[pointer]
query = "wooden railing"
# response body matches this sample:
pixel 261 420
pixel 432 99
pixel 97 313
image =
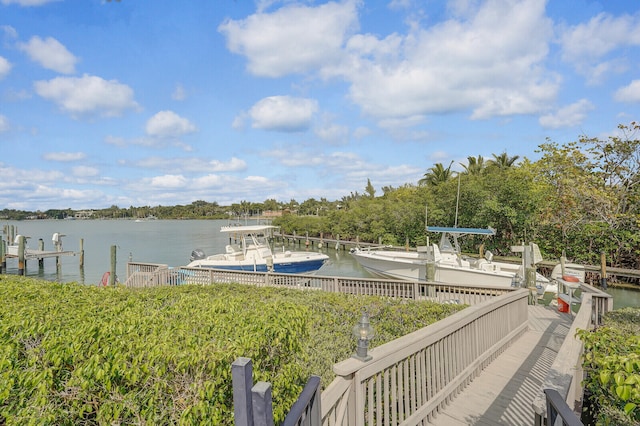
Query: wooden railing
pixel 411 378
pixel 566 374
pixel 149 274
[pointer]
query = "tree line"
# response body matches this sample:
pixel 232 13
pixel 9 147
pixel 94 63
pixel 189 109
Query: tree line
pixel 580 197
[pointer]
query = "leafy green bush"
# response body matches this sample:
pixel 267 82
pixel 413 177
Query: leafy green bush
pixel 74 354
pixel 612 364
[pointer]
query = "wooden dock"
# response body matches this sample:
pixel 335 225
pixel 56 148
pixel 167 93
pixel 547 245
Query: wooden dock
pixel 503 393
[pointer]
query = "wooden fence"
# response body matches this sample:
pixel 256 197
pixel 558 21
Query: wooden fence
pixel 566 374
pixel 151 275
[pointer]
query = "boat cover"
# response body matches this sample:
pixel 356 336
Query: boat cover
pixel 462 231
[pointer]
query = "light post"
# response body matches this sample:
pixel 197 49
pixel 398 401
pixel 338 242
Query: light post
pixel 363 332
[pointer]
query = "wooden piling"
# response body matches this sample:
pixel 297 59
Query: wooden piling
pixel 81 253
pixel 112 275
pixel 21 259
pixel 603 270
pixel 41 248
pixel 3 255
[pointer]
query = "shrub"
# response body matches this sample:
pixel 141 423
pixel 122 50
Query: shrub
pixel 74 354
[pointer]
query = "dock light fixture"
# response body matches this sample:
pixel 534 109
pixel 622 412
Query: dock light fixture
pixel 363 332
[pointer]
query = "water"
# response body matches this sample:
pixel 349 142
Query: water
pixel 161 241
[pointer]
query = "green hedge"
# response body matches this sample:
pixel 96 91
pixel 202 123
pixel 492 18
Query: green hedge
pixel 612 364
pixel 74 354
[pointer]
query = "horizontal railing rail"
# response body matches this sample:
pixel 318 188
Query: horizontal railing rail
pixel 145 275
pixel 566 374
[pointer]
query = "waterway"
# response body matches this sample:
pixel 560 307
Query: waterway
pixel 160 241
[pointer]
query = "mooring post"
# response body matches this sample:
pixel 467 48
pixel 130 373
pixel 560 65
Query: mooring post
pixel 3 255
pixel 112 275
pixel 41 248
pixel 81 253
pixel 603 270
pixel 21 260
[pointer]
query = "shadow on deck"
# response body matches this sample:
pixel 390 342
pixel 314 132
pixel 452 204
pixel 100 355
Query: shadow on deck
pixel 503 393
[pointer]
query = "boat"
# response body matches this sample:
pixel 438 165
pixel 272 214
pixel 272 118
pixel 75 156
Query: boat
pixel 447 263
pixel 252 252
pixel 565 271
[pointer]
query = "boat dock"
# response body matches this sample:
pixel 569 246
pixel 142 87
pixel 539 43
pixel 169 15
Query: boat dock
pixel 15 247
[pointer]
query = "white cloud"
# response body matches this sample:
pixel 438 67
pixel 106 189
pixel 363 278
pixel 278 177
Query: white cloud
pixel 629 93
pixel 64 156
pixel 293 39
pixel 490 63
pixel 51 54
pixel 4 124
pixel 569 116
pixel 192 164
pixel 5 67
pixel 27 2
pixel 166 182
pixel 335 134
pixel 488 59
pixel 85 171
pixel 586 45
pixel 168 124
pixel 9 31
pixel 179 94
pixel 87 95
pixel 283 113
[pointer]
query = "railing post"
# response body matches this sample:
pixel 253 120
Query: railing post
pixel 241 376
pixel 262 406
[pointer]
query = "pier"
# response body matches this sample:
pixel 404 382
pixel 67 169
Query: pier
pixel 16 247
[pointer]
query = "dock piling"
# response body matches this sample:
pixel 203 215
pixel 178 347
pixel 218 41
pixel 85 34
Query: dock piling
pixel 112 275
pixel 41 248
pixel 21 259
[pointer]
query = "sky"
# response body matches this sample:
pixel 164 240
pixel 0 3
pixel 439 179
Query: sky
pixel 147 103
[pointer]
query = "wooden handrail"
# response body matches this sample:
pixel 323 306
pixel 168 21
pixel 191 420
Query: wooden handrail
pixel 565 375
pixel 409 379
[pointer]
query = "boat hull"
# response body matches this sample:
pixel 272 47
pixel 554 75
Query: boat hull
pixel 410 266
pixel 279 267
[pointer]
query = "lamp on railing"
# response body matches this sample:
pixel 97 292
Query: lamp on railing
pixel 363 332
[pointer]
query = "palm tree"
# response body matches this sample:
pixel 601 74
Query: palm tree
pixel 475 165
pixel 503 161
pixel 436 175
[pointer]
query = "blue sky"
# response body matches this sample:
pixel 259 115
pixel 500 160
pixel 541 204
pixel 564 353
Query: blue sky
pixel 138 103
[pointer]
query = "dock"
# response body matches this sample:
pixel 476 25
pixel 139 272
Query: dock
pixel 503 393
pixel 15 247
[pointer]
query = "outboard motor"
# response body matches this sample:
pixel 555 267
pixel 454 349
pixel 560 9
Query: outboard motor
pixel 197 254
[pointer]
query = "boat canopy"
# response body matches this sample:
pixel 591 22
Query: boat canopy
pixel 461 231
pixel 247 229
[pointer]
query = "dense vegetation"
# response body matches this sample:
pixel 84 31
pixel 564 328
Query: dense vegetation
pixel 612 364
pixel 73 354
pixel 582 197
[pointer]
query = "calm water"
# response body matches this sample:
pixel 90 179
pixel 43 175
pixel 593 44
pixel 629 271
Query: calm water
pixel 160 241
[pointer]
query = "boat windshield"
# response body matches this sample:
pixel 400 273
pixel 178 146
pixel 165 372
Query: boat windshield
pixel 448 244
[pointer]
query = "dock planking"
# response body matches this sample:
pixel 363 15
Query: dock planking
pixel 503 393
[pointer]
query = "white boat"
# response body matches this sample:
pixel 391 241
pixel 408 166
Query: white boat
pixel 253 253
pixel 562 271
pixel 448 264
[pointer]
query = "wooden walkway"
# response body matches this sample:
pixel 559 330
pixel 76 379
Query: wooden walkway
pixel 503 393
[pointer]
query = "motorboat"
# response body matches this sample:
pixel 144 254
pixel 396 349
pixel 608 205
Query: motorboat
pixel 564 271
pixel 251 252
pixel 445 263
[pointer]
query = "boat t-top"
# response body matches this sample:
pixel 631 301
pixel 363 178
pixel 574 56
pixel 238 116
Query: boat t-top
pixel 251 252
